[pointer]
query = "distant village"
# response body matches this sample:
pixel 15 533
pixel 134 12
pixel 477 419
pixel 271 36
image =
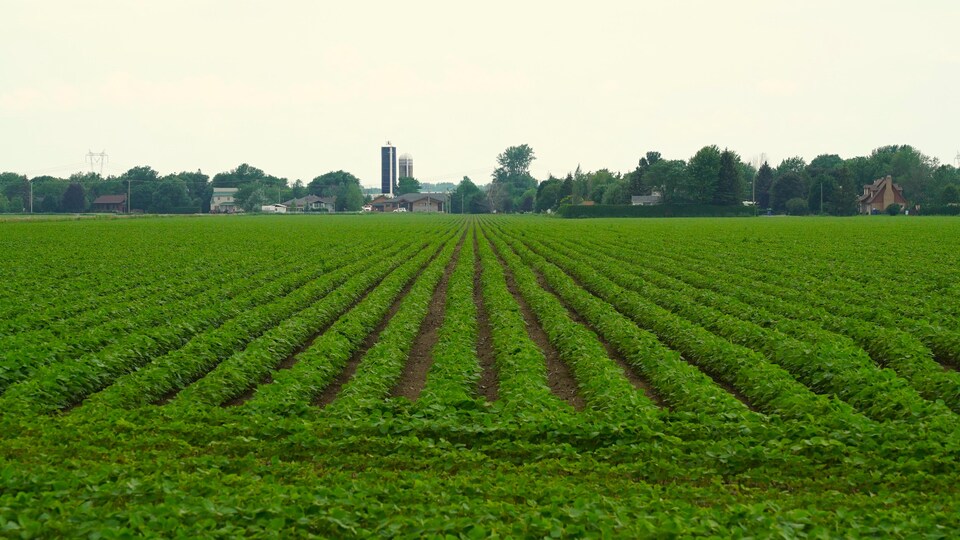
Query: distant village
pixel 891 180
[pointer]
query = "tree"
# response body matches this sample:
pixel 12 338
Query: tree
pixel 16 188
pixel 299 190
pixel 703 172
pixel 171 194
pixel 616 194
pixel 199 189
pixel 669 177
pixel 729 187
pixel 797 207
pixel 762 184
pixel 73 199
pixel 795 165
pixel 251 196
pixel 243 174
pixel 342 185
pixel 950 194
pixel 467 198
pixel 635 180
pixel 50 205
pixel 548 194
pixel 511 178
pixel 4 203
pixel 514 162
pixel 787 186
pixel 408 184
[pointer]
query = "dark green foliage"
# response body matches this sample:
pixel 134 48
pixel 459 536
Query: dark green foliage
pixel 729 183
pixel 340 184
pixel 702 175
pixel 73 199
pixel 893 209
pixel 468 199
pixel 764 182
pixel 787 186
pixel 511 179
pixel 797 207
pixel 49 205
pixel 407 184
pixel 658 210
pixel 950 194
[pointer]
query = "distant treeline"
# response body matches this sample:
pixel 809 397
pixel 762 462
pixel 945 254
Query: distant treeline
pixel 185 192
pixel 711 177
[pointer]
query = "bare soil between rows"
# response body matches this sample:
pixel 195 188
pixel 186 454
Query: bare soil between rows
pixel 488 386
pixel 560 377
pixel 420 359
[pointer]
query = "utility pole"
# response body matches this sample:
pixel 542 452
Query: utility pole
pixel 31 195
pixel 128 196
pixel 821 197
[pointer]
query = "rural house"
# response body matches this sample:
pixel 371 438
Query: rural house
pixel 423 202
pixel 110 203
pixel 223 201
pixel 879 195
pixel 312 203
pixel 383 203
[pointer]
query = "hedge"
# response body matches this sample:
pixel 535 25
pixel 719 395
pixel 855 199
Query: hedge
pixel 658 210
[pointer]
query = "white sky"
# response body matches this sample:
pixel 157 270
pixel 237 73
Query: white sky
pixel 299 88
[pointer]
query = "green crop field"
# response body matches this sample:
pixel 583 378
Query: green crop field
pixel 401 375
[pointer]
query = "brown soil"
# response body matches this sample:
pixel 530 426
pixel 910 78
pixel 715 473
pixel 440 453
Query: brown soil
pixel 332 390
pixel 291 359
pixel 560 377
pixel 420 359
pixel 488 386
pixel 947 365
pixel 726 387
pixel 638 381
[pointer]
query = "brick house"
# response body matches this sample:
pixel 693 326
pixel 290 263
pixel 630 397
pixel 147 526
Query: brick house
pixel 110 203
pixel 879 195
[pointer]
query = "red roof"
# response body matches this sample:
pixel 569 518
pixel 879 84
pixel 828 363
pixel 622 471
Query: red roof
pixel 111 199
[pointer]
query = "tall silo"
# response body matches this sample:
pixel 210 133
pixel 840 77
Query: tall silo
pixel 406 166
pixel 388 168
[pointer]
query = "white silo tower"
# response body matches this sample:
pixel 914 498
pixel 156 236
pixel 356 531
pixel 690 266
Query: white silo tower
pixel 406 166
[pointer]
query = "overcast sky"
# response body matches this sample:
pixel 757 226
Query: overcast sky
pixel 299 88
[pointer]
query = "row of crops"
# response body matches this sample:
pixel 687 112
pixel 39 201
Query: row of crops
pixel 511 376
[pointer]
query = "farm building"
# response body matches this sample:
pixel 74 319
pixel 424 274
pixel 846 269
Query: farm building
pixel 223 201
pixel 646 200
pixel 411 202
pixel 879 195
pixel 311 203
pixel 110 203
pixel 424 202
pixel 274 209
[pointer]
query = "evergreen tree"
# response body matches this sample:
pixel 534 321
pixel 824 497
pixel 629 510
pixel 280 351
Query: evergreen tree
pixel 728 180
pixel 73 199
pixel 762 185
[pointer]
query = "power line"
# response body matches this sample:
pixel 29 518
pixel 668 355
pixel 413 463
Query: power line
pixel 97 160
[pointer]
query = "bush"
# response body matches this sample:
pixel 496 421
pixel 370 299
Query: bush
pixel 797 207
pixel 893 209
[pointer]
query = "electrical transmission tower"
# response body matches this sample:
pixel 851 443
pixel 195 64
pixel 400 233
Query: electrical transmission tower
pixel 96 161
